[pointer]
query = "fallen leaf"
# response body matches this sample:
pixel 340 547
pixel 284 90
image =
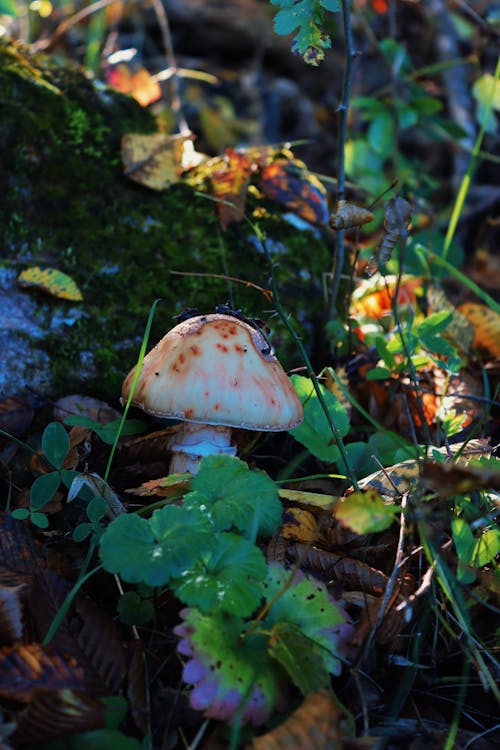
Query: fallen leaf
pixel 153 160
pixel 52 281
pixel 486 324
pixel 289 182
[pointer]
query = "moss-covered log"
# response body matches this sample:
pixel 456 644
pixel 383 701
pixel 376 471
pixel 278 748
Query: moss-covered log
pixel 66 204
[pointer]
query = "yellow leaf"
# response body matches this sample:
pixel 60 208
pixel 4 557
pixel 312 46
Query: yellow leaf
pixel 486 324
pixel 52 281
pixel 153 160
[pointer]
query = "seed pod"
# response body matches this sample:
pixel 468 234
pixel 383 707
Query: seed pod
pixel 397 220
pixel 349 215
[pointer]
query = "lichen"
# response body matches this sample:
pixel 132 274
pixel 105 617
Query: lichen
pixel 67 204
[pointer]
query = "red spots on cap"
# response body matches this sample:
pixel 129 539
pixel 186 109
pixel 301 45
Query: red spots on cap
pixel 175 367
pixel 195 350
pixel 188 413
pixel 206 394
pixel 222 348
pixel 182 358
pixel 233 331
pixel 216 406
pixel 240 349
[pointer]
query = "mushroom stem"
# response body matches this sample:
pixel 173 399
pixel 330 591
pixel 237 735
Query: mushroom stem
pixel 194 441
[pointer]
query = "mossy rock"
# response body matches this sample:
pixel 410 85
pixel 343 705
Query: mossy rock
pixel 66 204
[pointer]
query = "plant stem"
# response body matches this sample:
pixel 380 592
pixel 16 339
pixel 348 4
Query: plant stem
pixel 466 180
pixel 309 368
pixel 338 261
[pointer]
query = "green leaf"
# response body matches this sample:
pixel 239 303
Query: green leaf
pixel 9 8
pixel 116 710
pixel 227 578
pixel 299 656
pixel 96 739
pixel 332 5
pixel 43 489
pixel 40 520
pixel 230 669
pixel 407 116
pixel 155 550
pixel 133 610
pixel 426 105
pixel 52 281
pixel 365 512
pixel 435 323
pixel 107 432
pixel 307 605
pixel 486 548
pixel 82 531
pixel 381 134
pixel 96 509
pixel 21 514
pixel 378 373
pixel 55 444
pixel 486 92
pixel 315 432
pixel 463 539
pixel 235 496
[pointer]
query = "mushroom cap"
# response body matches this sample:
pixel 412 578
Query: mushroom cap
pixel 219 370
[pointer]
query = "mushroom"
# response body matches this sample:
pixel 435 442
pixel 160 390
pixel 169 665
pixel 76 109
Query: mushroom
pixel 215 372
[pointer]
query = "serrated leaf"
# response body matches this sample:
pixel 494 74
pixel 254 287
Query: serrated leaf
pixel 365 512
pixel 226 579
pixel 299 656
pixel 315 432
pixel 332 5
pixel 43 489
pixel 231 671
pixel 236 496
pixel 155 550
pixel 287 20
pixel 55 444
pixel 307 604
pixel 52 281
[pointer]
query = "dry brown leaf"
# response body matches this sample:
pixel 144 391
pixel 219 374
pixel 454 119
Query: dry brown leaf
pixel 54 713
pixel 347 571
pixel 348 215
pixel 486 324
pixel 300 526
pixel 153 160
pixel 318 724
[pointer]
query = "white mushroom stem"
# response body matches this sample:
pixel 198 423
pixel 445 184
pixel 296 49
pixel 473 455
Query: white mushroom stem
pixel 194 441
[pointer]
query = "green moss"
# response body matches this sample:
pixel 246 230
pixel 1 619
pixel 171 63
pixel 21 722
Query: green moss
pixel 67 204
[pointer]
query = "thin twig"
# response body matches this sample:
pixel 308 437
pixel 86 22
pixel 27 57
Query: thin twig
pixel 175 99
pixel 338 261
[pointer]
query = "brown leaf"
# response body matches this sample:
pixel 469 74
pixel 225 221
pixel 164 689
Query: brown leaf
pixel 153 160
pixel 16 415
pixel 11 613
pixel 318 724
pixel 84 406
pixel 300 525
pixel 229 184
pixel 56 713
pixel 448 479
pixel 27 668
pixel 486 324
pixel 347 571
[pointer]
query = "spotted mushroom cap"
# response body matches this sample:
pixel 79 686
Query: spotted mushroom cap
pixel 219 370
